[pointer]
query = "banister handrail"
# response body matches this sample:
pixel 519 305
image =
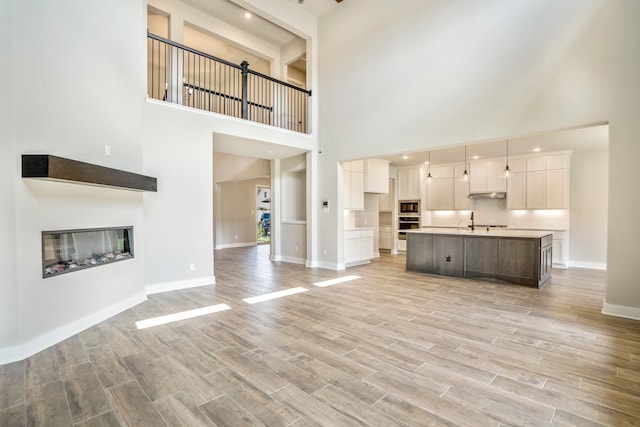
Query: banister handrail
pixel 230 64
pixel 182 75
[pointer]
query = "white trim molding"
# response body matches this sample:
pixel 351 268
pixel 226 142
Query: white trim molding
pixel 621 311
pixel 41 342
pixel 179 284
pixel 236 245
pixel 589 265
pixel 293 260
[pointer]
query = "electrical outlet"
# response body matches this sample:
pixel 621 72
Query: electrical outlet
pixel 107 150
pixel 235 237
pixel 296 249
pixel 192 267
pixel 324 252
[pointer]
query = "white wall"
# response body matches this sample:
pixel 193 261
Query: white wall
pixel 76 90
pixel 589 197
pixel 8 173
pixel 293 237
pixel 178 149
pixel 473 71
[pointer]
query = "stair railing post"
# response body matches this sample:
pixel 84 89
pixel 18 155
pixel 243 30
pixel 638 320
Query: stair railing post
pixel 245 101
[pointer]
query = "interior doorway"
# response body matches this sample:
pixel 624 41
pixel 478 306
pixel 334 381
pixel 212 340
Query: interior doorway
pixel 263 214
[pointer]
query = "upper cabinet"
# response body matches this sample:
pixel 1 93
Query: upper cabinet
pixel 353 184
pixel 386 200
pixel 517 184
pixel 447 190
pixel 409 183
pixel 548 182
pixel 487 176
pixel 376 176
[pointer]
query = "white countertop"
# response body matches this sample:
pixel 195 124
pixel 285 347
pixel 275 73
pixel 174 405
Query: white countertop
pixel 358 228
pixel 500 232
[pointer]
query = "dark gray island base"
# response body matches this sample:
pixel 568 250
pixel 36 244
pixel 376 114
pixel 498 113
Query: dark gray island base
pixel 518 257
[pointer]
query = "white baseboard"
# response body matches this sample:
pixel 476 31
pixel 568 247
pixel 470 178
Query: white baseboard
pixel 236 245
pixel 39 343
pixel 590 265
pixel 179 284
pixel 621 311
pixel 311 264
pixel 376 254
pixel 294 260
pixel 330 265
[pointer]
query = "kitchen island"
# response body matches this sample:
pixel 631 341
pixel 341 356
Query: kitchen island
pixel 522 257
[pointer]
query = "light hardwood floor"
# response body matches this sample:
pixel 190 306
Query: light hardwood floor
pixel 390 348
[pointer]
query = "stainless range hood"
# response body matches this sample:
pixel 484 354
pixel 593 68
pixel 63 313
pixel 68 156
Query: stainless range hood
pixel 494 195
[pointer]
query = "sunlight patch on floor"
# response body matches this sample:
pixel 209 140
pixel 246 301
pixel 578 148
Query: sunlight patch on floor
pixel 161 320
pixel 336 281
pixel 274 295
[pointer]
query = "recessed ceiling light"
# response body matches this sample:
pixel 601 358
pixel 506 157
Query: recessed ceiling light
pixel 535 150
pixel 405 157
pixel 426 163
pixel 247 15
pixel 475 157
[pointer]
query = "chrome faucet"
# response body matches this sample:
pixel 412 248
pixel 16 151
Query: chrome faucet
pixel 472 226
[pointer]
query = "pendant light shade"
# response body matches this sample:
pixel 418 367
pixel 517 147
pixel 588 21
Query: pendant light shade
pixel 465 174
pixel 429 177
pixel 507 170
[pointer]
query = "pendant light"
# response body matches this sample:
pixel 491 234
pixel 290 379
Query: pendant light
pixel 465 174
pixel 429 171
pixel 507 169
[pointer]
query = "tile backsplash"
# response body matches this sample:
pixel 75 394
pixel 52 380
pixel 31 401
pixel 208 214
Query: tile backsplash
pixel 494 212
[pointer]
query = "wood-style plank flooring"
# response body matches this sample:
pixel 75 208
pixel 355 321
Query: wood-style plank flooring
pixel 390 348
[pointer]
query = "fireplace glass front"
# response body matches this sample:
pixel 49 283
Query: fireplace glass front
pixel 72 250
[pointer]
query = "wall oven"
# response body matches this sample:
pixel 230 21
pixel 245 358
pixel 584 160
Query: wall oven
pixel 407 223
pixel 411 207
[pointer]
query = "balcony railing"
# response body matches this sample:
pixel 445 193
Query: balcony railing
pixel 185 76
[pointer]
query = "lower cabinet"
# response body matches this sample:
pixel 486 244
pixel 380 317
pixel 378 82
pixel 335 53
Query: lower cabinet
pixel 522 261
pixel 443 255
pixel 385 238
pixel 358 246
pixel 448 259
pixel 560 248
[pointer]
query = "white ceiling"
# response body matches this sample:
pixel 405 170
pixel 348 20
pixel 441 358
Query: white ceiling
pixel 588 138
pixel 230 12
pixel 246 147
pixel 577 140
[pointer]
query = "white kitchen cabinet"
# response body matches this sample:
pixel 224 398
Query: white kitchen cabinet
pixel 358 246
pixel 536 190
pixel 536 164
pixel 353 184
pixel 440 194
pixel 409 183
pixel 385 237
pixel 517 190
pixel 560 249
pixel 461 199
pixel 487 176
pixel 386 199
pixel 556 161
pixel 547 188
pixel 376 176
pixel 556 189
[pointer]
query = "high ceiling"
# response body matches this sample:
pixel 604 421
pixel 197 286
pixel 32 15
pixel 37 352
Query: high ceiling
pixel 579 139
pixel 233 14
pixel 583 139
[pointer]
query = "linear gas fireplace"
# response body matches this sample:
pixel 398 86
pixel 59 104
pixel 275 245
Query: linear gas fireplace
pixel 65 251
